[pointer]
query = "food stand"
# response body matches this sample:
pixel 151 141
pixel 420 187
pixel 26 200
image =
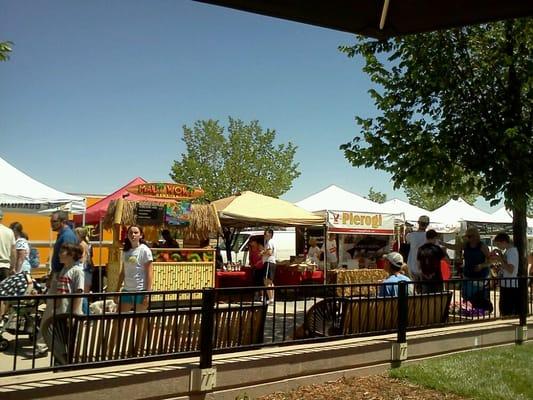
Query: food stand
pixel 248 209
pixel 167 205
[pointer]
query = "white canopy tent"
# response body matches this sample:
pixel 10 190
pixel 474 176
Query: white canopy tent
pixel 22 194
pixel 347 212
pixel 410 212
pixel 505 216
pixel 456 213
pixel 351 215
pixel 335 198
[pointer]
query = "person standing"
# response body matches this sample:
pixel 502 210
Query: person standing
pixel 415 240
pixel 476 270
pixel 22 248
pixel 269 263
pixel 69 280
pixel 7 249
pixel 87 258
pixel 331 251
pixel 256 261
pixel 136 271
pixel 429 258
pixel 313 253
pixel 7 256
pixel 508 259
pixel 59 224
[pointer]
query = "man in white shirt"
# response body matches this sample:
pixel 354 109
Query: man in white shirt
pixel 269 263
pixel 7 249
pixel 7 255
pixel 509 292
pixel 415 240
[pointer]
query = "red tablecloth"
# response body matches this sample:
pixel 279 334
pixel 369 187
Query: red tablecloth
pixel 292 276
pixel 234 278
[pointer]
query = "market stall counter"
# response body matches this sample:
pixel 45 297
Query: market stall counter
pixel 241 278
pixel 298 274
pixel 183 268
pixel 167 208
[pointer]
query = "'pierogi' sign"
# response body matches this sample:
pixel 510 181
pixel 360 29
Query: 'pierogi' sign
pixel 358 222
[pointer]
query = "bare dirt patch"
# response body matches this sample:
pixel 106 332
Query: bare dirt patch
pixel 375 387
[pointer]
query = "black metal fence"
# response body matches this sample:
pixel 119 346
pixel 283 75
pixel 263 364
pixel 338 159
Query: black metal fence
pixel 122 327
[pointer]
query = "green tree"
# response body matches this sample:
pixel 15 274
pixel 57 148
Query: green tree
pixel 5 49
pixel 425 197
pixel 376 196
pixel 246 158
pixel 455 113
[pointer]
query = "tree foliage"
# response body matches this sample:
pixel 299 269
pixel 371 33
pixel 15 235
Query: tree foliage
pixel 376 196
pixel 5 49
pixel 243 158
pixel 425 197
pixel 455 113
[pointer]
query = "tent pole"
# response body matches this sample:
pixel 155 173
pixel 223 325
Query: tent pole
pixel 100 234
pixel 325 246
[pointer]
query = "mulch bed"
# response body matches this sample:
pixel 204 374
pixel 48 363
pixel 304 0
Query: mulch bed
pixel 376 387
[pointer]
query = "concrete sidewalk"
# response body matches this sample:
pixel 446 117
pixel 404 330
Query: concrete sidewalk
pixel 254 372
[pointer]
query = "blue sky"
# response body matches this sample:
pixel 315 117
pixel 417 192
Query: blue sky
pixel 96 92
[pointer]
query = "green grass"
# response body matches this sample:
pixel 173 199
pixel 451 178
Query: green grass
pixel 504 373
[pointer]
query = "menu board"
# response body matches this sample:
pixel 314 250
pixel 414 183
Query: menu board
pixel 150 214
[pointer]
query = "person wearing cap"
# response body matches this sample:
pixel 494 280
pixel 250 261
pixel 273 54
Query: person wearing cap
pixel 415 240
pixel 7 249
pixel 389 287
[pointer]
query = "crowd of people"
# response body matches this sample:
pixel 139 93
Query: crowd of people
pixel 71 267
pixel 426 266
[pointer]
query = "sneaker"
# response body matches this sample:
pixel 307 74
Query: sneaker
pixel 41 351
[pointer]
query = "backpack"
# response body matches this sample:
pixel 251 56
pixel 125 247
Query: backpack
pixel 34 258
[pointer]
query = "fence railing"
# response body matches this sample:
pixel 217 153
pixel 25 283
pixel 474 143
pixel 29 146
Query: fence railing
pixel 48 332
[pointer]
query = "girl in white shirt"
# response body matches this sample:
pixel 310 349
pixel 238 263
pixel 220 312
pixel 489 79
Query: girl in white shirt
pixel 136 272
pixel 22 247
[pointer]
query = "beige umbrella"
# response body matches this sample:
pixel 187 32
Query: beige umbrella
pixel 249 208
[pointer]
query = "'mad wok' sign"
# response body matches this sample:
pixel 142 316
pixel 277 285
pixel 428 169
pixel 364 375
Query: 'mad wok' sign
pixel 175 191
pixel 358 222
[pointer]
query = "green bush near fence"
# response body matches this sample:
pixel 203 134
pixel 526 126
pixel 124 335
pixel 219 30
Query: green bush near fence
pixel 501 373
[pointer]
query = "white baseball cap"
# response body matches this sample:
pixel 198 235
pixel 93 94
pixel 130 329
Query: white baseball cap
pixel 395 259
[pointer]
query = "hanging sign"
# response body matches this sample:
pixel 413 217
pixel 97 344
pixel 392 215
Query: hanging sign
pixel 358 222
pixel 160 190
pixel 178 214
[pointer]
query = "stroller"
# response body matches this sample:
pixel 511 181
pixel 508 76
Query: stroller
pixel 23 317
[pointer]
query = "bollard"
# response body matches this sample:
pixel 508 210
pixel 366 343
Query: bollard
pixel 207 328
pixel 399 349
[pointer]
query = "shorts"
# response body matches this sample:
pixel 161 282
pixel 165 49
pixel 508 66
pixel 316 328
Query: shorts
pixel 4 273
pixel 269 271
pixel 258 275
pixel 133 298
